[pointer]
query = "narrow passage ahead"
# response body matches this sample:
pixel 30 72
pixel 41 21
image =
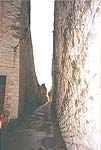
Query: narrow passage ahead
pixel 37 132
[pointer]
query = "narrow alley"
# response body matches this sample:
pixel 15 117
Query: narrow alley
pixel 36 132
pixel 75 74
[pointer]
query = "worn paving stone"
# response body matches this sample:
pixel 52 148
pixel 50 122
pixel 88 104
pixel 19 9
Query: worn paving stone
pixel 36 132
pixel 48 142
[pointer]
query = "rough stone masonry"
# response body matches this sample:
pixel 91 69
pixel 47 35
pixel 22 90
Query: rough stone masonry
pixel 76 72
pixel 16 58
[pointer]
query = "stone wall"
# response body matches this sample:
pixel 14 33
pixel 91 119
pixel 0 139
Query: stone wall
pixel 76 72
pixel 16 57
pixel 29 87
pixel 9 53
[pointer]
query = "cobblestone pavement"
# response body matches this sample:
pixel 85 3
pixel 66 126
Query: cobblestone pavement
pixel 36 132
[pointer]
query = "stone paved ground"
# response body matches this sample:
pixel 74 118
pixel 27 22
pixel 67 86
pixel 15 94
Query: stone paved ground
pixel 36 132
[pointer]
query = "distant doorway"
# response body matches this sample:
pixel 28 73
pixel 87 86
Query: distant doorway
pixel 2 91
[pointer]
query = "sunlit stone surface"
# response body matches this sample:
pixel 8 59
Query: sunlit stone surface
pixel 76 72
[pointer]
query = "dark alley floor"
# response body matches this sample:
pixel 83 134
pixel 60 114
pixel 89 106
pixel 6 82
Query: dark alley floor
pixel 36 132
